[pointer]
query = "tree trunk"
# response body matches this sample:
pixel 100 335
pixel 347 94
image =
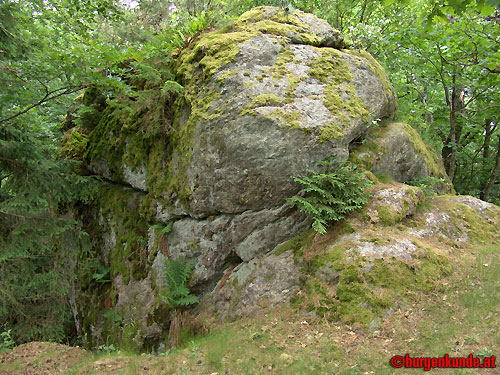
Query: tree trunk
pixel 486 154
pixel 486 193
pixel 176 323
pixel 449 152
pixel 363 10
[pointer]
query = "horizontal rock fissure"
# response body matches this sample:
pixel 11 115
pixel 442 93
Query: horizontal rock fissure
pixel 120 184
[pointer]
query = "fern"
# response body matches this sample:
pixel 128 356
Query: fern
pixel 331 195
pixel 177 274
pixel 164 229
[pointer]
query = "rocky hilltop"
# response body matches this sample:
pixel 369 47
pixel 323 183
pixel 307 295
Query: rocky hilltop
pixel 206 176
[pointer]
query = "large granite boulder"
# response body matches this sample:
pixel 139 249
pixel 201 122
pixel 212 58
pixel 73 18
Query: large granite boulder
pixel 205 173
pixel 263 100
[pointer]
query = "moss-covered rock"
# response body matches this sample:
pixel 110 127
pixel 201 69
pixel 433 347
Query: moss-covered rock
pixel 367 265
pixel 74 143
pixel 284 94
pixel 274 89
pixel 398 151
pixel 392 203
pixel 263 100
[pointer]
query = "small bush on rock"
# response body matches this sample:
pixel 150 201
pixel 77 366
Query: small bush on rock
pixel 330 195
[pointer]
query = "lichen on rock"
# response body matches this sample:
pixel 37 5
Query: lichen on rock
pixel 397 150
pixel 204 174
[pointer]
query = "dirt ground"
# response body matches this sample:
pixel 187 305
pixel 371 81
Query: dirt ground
pixel 37 358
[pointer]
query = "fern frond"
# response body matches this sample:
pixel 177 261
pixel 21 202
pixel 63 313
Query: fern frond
pixel 177 274
pixel 330 195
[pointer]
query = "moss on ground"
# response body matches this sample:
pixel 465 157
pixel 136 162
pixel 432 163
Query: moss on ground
pixel 387 215
pixel 365 287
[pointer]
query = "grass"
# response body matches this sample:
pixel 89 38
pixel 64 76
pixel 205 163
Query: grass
pixel 459 317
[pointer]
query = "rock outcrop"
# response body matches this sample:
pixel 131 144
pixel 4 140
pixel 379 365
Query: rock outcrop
pixel 365 264
pixel 206 175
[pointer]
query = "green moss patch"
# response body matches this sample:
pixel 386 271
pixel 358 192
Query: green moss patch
pixel 278 22
pixel 376 68
pixel 288 119
pixel 297 244
pixel 127 131
pixel 74 143
pixel 211 51
pixel 387 215
pixel 366 154
pixel 373 148
pixel 263 100
pixel 340 96
pixel 279 69
pixel 432 161
pixel 341 285
pixel 480 229
pixel 129 256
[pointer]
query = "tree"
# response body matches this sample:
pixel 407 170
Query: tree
pixel 45 57
pixel 50 51
pixel 445 74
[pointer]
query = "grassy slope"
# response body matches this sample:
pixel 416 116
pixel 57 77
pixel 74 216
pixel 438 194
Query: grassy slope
pixel 461 316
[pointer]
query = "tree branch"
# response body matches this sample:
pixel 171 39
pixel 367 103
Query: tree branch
pixel 48 96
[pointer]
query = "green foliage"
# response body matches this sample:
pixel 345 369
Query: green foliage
pixel 164 229
pixel 106 348
pixel 484 352
pixel 6 341
pixel 113 315
pixel 177 274
pixel 429 185
pixel 331 195
pixel 39 245
pixel 446 75
pixel 88 116
pixel 51 50
pixel 101 272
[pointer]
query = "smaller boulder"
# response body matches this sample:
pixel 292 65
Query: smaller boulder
pixel 397 150
pixel 392 204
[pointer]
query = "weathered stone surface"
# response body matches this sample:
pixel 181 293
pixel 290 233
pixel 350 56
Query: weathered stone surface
pixel 401 248
pixel 460 219
pixel 292 112
pixel 222 240
pixel 396 150
pixel 270 280
pixel 390 205
pixel 135 302
pixel 352 275
pixel 263 101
